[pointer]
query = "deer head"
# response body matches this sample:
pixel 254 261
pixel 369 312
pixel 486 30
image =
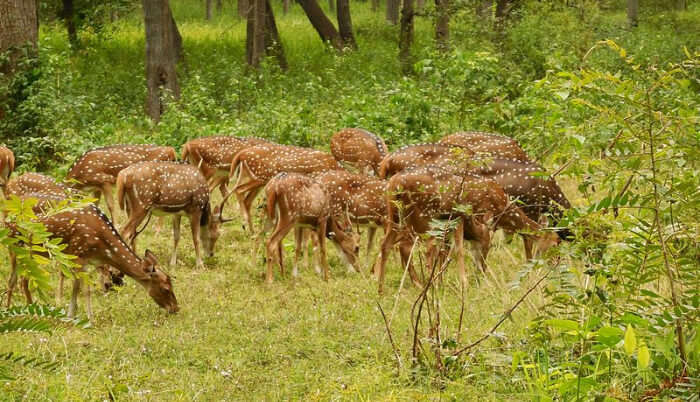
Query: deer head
pixel 158 284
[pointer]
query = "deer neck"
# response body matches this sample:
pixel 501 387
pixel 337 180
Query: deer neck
pixel 120 256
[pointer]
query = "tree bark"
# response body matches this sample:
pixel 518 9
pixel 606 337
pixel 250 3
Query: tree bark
pixel 273 44
pixel 68 15
pixel 285 7
pixel 18 28
pixel 633 13
pixel 392 11
pixel 255 33
pixel 442 24
pixel 243 6
pixel 321 23
pixel 345 24
pixel 406 38
pixel 162 53
pixel 208 6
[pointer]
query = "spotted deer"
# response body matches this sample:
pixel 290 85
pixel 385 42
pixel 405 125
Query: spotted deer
pixel 255 166
pixel 31 182
pixel 358 148
pixel 90 236
pixel 420 155
pixel 362 199
pixel 487 144
pixel 417 196
pixel 296 201
pixel 213 155
pixel 96 170
pixel 7 166
pixel 169 188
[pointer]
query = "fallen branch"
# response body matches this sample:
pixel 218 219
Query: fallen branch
pixel 391 338
pixel 506 314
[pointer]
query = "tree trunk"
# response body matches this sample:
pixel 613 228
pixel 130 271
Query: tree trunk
pixel 633 13
pixel 331 6
pixel 392 11
pixel 345 24
pixel 273 44
pixel 18 28
pixel 219 6
pixel 442 24
pixel 375 5
pixel 502 10
pixel 321 23
pixel 208 6
pixel 406 37
pixel 255 33
pixel 243 6
pixel 162 40
pixel 68 15
pixel 285 7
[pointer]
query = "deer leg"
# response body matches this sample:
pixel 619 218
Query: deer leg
pixel 74 298
pixel 298 245
pixel 196 239
pixel 59 288
pixel 248 205
pixel 136 216
pixel 12 282
pixel 24 282
pixel 176 238
pixel 274 246
pixel 480 247
pixel 109 199
pixel 390 235
pixel 529 244
pixel 371 232
pixel 459 246
pixel 243 192
pixel 405 248
pixel 321 235
pixel 88 299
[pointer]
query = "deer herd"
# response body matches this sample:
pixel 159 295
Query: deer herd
pixel 480 182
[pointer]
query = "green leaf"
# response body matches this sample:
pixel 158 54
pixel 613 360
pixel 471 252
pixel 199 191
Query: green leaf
pixel 609 336
pixel 643 357
pixel 564 325
pixel 630 341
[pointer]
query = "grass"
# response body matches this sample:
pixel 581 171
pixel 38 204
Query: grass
pixel 237 338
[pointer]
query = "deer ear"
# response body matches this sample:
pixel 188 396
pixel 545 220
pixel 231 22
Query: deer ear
pixel 150 258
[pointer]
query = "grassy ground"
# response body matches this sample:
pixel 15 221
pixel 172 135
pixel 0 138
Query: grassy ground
pixel 237 338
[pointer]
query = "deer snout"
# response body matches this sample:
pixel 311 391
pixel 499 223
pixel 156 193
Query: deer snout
pixel 172 309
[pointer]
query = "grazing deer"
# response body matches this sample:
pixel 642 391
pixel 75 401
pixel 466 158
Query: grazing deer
pixel 36 183
pixel 487 144
pixel 358 148
pixel 90 236
pixel 258 164
pixel 213 155
pixel 294 201
pixel 417 196
pixel 7 166
pixel 362 198
pixel 169 188
pixel 420 155
pixel 96 170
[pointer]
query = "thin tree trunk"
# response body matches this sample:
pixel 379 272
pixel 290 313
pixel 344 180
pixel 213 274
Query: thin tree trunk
pixel 18 28
pixel 406 38
pixel 177 39
pixel 345 24
pixel 219 6
pixel 321 23
pixel 208 6
pixel 162 39
pixel 285 7
pixel 392 11
pixel 502 10
pixel 375 5
pixel 273 43
pixel 442 24
pixel 68 16
pixel 243 6
pixel 633 13
pixel 255 38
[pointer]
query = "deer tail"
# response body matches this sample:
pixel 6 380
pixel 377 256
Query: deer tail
pixel 121 196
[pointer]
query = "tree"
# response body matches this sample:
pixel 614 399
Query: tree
pixel 163 50
pixel 392 11
pixel 243 6
pixel 68 15
pixel 255 33
pixel 406 37
pixel 345 24
pixel 285 6
pixel 502 10
pixel 442 24
pixel 19 29
pixel 633 13
pixel 321 23
pixel 208 7
pixel 273 43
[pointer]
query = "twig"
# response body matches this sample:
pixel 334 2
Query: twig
pixel 506 314
pixel 391 338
